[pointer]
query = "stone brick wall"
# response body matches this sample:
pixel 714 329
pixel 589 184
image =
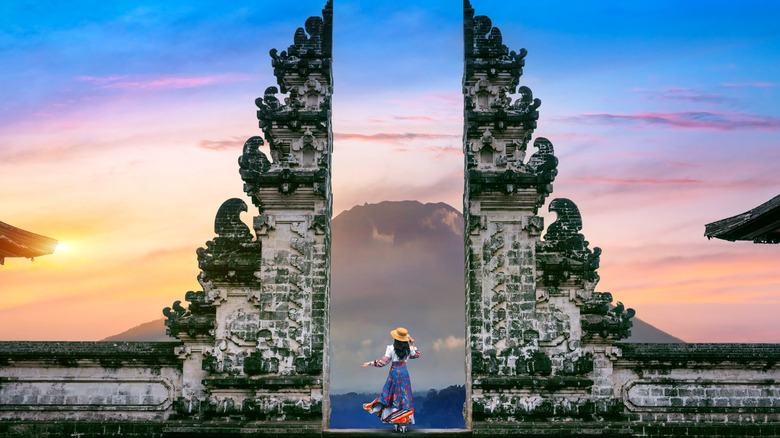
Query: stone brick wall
pixel 699 383
pixel 106 381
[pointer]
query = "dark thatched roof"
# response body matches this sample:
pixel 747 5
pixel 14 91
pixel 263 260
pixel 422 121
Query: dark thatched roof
pixel 759 225
pixel 16 242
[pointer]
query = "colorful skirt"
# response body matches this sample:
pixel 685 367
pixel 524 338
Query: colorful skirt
pixel 395 405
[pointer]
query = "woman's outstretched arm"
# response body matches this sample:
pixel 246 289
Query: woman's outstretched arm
pixel 380 362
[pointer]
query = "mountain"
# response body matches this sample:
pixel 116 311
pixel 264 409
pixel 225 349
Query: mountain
pixel 644 332
pixel 152 331
pixel 396 264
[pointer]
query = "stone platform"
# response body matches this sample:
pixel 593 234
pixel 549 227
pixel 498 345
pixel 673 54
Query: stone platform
pixel 442 433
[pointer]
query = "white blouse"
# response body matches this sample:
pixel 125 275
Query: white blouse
pixel 390 356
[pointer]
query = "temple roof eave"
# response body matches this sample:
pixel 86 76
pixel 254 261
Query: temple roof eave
pixel 759 225
pixel 16 242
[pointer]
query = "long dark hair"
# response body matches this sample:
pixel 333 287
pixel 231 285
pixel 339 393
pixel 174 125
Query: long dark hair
pixel 402 349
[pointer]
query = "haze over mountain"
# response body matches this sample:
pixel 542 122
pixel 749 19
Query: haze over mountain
pixel 397 264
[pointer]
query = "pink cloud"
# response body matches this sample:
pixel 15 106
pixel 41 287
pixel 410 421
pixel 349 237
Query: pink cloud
pixel 222 145
pixel 719 121
pixel 403 118
pixel 681 164
pixel 750 84
pixel 390 137
pixel 635 181
pixel 415 118
pixel 689 95
pixel 137 82
pixel 574 136
pixel 437 151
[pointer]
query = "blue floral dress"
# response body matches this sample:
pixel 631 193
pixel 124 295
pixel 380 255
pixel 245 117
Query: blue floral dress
pixel 395 405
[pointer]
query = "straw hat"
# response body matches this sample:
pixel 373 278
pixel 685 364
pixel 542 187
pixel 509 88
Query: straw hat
pixel 400 334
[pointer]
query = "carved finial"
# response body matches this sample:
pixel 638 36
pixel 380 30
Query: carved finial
pixel 599 320
pixel 526 104
pixel 252 163
pixel 197 320
pixel 568 223
pixel 543 162
pixel 228 222
pixel 233 255
pixel 563 238
pixel 313 40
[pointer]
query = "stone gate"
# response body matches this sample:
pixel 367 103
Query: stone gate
pixel 544 355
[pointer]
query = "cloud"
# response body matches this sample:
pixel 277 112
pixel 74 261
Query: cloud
pixel 702 120
pixel 222 145
pixel 636 181
pixel 415 118
pixel 448 217
pixel 750 84
pixel 386 238
pixel 682 164
pixel 446 188
pixel 574 136
pixel 437 151
pixel 685 95
pixel 450 343
pixel 140 82
pixel 60 150
pixel 390 137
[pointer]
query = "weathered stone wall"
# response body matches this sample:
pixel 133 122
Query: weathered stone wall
pixel 699 383
pixel 45 387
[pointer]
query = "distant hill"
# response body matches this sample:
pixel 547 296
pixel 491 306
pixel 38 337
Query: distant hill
pixel 152 331
pixel 396 264
pixel 442 409
pixel 644 332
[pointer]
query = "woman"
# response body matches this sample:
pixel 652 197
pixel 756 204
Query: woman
pixel 395 405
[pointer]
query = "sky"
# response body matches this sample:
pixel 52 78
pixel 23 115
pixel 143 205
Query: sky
pixel 121 124
pixel 397 264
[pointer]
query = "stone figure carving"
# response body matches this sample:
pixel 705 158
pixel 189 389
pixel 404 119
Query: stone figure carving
pixel 196 320
pixel 598 320
pixel 564 254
